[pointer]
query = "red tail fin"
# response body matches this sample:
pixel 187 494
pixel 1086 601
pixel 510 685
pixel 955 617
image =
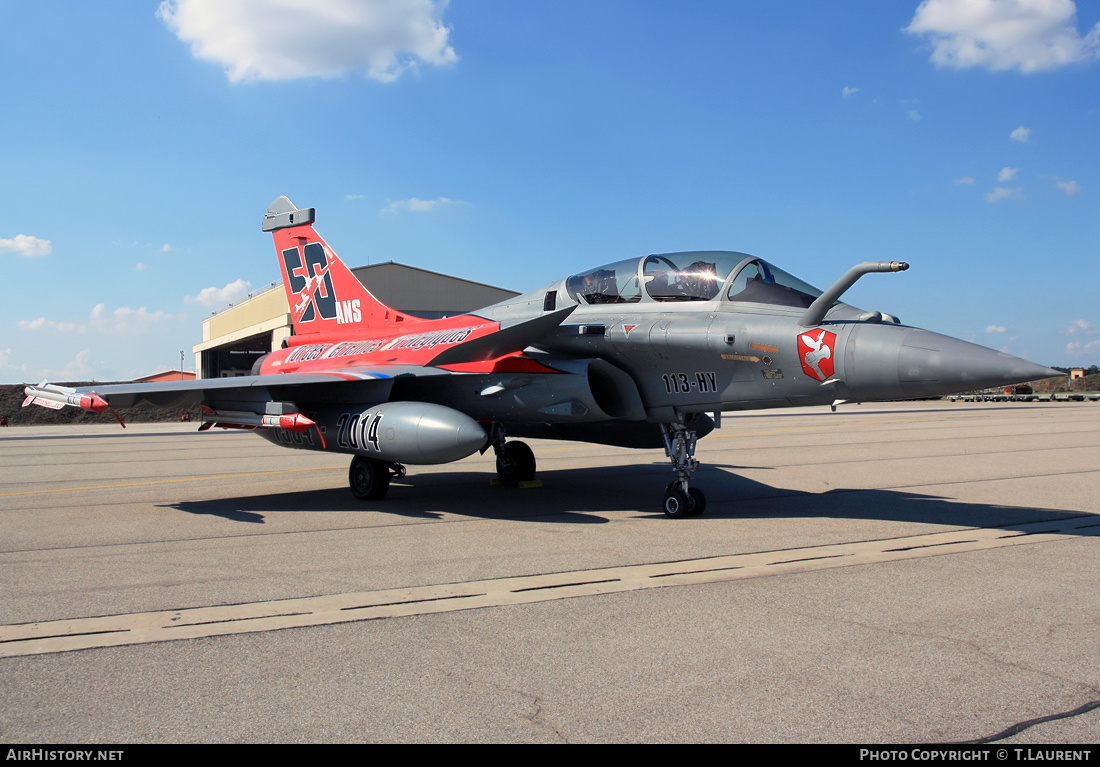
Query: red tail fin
pixel 324 295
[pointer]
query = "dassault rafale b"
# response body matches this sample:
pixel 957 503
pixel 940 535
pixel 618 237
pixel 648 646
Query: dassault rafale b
pixel 643 353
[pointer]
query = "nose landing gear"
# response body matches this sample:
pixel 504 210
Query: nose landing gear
pixel 682 500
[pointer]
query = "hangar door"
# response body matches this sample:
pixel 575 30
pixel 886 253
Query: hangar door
pixel 236 358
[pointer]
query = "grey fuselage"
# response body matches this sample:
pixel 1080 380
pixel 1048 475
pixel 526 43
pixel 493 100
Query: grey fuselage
pixel 662 339
pixel 692 354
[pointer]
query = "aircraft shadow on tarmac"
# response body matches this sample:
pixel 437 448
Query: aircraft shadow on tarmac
pixel 585 495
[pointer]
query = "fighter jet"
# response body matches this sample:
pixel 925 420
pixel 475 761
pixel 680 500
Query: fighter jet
pixel 642 353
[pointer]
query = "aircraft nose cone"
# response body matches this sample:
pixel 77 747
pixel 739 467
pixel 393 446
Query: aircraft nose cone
pixel 890 361
pixel 930 363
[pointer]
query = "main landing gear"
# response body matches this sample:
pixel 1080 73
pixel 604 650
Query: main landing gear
pixel 515 461
pixel 681 500
pixel 369 478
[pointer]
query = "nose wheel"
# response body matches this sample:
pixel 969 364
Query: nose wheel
pixel 681 500
pixel 678 504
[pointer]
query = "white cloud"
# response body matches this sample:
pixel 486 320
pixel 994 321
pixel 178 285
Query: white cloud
pixel 26 245
pixel 1086 328
pixel 416 205
pixel 1007 174
pixel 121 321
pixel 1021 134
pixel 288 39
pixel 126 321
pixel 212 296
pixel 849 91
pixel 1077 348
pixel 165 248
pixel 140 266
pixel 1069 187
pixel 965 180
pixel 1081 326
pixel 1028 35
pixel 353 197
pixel 996 329
pixel 1005 193
pixel 78 368
pixel 44 324
pixel 913 114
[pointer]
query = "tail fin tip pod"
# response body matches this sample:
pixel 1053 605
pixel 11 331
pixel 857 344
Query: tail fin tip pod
pixel 323 293
pixel 282 214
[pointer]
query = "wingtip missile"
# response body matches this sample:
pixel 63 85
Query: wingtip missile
pixel 56 397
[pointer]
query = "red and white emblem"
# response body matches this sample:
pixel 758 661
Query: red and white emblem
pixel 815 349
pixel 628 328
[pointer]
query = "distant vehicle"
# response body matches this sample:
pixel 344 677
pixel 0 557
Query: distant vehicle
pixel 636 353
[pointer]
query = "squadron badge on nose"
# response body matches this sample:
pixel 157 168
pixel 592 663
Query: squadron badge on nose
pixel 815 349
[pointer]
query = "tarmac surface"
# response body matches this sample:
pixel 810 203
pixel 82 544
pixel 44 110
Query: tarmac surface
pixel 898 573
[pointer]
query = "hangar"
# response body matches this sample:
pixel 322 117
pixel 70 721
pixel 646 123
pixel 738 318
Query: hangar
pixel 233 338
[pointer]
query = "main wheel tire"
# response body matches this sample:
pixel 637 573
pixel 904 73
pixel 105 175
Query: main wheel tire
pixel 697 501
pixel 369 478
pixel 515 464
pixel 677 504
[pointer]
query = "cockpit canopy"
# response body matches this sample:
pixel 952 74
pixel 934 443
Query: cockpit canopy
pixel 695 276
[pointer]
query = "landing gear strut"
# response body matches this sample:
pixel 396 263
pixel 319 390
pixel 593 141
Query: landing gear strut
pixel 515 461
pixel 681 500
pixel 369 478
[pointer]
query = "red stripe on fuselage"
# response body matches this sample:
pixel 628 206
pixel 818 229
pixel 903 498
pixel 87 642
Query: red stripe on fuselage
pixel 515 362
pixel 417 344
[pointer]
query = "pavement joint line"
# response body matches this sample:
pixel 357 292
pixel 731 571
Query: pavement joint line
pixel 977 481
pixel 705 467
pixel 818 427
pixel 74 634
pixel 944 456
pixel 935 438
pixel 722 433
pixel 168 481
pixel 462 519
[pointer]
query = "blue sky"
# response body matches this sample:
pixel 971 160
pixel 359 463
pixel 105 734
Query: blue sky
pixel 514 143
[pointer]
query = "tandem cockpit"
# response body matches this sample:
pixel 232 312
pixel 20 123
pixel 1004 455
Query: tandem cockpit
pixel 693 276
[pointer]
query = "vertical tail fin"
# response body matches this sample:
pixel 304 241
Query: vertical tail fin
pixel 324 295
